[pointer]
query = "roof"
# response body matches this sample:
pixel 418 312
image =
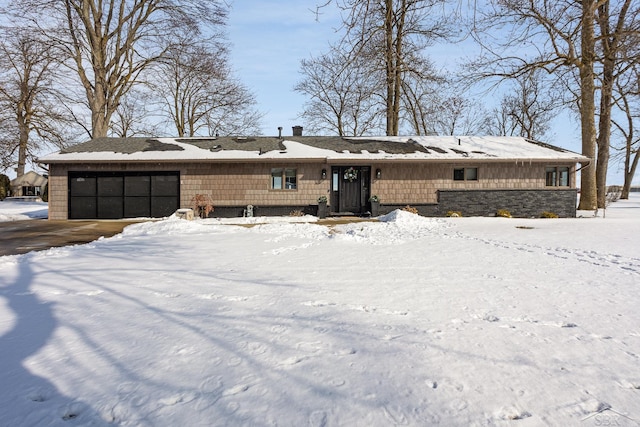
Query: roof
pixel 327 148
pixel 30 178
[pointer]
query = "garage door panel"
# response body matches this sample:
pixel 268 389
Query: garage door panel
pixel 137 185
pixel 110 186
pixel 163 206
pixel 137 207
pixel 82 207
pixel 82 186
pixel 167 185
pixel 110 207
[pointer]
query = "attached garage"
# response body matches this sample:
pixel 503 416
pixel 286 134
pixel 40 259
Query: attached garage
pixel 115 195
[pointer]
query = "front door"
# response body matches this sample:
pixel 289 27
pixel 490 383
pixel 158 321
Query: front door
pixel 350 189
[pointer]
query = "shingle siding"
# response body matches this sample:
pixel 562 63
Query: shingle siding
pixel 428 186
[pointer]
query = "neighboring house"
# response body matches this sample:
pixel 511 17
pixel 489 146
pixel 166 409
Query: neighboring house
pixel 31 184
pixel 153 177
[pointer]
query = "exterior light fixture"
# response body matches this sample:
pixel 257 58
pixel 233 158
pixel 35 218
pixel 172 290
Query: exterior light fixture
pixel 378 173
pixel 323 174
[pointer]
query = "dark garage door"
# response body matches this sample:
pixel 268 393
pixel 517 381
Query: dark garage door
pixel 114 195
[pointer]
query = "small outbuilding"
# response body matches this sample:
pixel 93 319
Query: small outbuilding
pixel 154 177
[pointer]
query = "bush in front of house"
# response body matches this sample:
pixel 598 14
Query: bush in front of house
pixel 410 209
pixel 454 214
pixel 45 193
pixel 4 186
pixel 547 214
pixel 503 213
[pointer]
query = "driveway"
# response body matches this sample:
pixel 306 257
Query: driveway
pixel 19 237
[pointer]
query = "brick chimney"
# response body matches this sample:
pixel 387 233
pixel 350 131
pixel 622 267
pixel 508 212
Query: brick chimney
pixel 297 130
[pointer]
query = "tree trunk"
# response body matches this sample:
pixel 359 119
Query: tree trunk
pixel 588 193
pixel 629 173
pixel 22 146
pixel 390 64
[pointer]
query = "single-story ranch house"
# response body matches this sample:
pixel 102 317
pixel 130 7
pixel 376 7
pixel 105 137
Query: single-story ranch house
pixel 109 178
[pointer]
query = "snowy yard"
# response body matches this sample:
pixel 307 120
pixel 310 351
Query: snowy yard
pixel 408 321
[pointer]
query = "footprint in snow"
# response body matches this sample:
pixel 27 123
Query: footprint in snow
pixel 177 398
pixel 318 419
pixel 512 414
pixel 240 388
pixel 211 385
pixel 293 360
pixel 39 394
pixel 395 414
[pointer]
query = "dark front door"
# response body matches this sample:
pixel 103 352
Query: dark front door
pixel 350 188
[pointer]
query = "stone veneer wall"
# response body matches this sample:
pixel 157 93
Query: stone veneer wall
pixel 520 203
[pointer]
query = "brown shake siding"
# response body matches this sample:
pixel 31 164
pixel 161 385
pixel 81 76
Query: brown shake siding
pixel 404 183
pixel 228 184
pixel 241 184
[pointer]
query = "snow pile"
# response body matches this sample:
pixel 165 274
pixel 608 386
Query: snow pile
pixel 396 227
pixel 406 321
pixel 12 210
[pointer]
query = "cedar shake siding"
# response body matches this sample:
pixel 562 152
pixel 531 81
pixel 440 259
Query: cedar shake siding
pixel 433 174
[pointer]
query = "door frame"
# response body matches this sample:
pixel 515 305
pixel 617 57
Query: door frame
pixel 360 203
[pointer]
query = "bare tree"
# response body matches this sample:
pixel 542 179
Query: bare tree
pixel 551 36
pixel 387 33
pixel 110 43
pixel 29 115
pixel 199 93
pixel 587 39
pixel 619 25
pixel 342 92
pixel 460 115
pixel 627 99
pixel 132 117
pixel 526 109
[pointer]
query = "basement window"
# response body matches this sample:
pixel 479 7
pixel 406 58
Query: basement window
pixel 284 179
pixel 465 174
pixel 557 176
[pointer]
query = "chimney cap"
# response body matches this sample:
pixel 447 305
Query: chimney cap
pixel 297 130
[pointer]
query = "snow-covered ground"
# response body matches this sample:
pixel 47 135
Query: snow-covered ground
pixel 408 321
pixel 12 210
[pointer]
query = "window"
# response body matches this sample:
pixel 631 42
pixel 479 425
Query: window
pixel 31 190
pixel 284 179
pixel 557 176
pixel 465 174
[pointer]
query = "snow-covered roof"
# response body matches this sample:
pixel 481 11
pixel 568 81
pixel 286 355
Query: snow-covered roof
pixel 419 148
